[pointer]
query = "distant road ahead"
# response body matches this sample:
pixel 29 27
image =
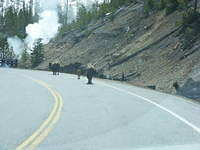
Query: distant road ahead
pixel 45 112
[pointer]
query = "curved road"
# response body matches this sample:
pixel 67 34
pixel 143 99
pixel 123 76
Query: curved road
pixel 44 112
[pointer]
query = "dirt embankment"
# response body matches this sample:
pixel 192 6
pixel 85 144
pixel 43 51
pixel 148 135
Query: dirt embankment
pixel 149 50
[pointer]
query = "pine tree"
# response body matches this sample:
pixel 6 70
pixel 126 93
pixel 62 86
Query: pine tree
pixel 25 61
pixel 82 17
pixel 25 56
pixel 16 17
pixel 6 52
pixel 4 47
pixel 37 54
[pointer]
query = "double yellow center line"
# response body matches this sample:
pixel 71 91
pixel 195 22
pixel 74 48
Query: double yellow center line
pixel 37 137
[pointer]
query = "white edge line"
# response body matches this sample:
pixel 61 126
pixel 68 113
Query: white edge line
pixel 177 116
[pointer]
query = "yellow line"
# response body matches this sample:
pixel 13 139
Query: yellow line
pixel 49 128
pixel 50 120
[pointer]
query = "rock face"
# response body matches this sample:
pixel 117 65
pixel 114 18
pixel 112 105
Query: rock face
pixel 148 50
pixel 190 89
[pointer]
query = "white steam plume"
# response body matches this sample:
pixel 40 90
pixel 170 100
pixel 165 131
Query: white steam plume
pixel 46 28
pixel 17 44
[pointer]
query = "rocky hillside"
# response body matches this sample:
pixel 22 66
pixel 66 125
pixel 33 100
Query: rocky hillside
pixel 149 50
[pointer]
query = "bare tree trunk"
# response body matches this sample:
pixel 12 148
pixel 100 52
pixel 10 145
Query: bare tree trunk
pixel 67 11
pixel 195 5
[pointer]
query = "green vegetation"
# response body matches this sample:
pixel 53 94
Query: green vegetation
pixel 16 17
pixel 191 27
pixel 170 6
pixel 84 16
pixel 190 20
pixel 37 54
pixel 33 59
pixel 5 51
pixel 25 61
pixel 13 21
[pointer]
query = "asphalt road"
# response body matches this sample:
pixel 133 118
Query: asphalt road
pixel 44 112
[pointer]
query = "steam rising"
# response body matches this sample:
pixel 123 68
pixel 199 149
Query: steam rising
pixel 17 44
pixel 46 28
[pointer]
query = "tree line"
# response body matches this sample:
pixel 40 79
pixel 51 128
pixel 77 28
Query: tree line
pixel 13 21
pixel 15 17
pixel 98 10
pixel 5 51
pixel 85 15
pixel 33 58
pixel 190 20
pixel 151 6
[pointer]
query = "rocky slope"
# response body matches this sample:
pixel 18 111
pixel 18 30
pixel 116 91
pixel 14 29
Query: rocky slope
pixel 149 50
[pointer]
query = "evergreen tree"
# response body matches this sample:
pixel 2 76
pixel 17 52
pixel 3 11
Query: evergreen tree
pixel 16 17
pixel 82 16
pixel 25 56
pixel 4 47
pixel 6 52
pixel 25 61
pixel 37 54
